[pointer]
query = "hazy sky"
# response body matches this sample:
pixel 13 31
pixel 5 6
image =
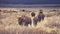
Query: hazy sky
pixel 29 1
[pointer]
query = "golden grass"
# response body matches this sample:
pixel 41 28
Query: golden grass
pixel 9 22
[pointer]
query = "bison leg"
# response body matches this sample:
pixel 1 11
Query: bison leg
pixel 30 22
pixel 35 22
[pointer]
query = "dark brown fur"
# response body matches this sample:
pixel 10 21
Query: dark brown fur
pixel 24 20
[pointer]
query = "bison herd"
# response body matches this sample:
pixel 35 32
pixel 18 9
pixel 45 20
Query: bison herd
pixel 25 20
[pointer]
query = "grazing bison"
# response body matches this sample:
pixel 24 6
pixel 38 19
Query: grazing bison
pixel 41 16
pixel 24 20
pixel 32 14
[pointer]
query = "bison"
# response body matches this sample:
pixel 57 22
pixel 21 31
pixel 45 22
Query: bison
pixel 24 20
pixel 41 16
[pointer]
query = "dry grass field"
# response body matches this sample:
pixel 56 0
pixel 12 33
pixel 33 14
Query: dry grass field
pixel 9 21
